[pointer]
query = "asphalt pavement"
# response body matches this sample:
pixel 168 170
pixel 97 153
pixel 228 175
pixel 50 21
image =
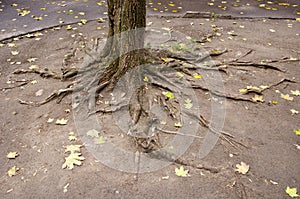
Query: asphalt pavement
pixel 20 17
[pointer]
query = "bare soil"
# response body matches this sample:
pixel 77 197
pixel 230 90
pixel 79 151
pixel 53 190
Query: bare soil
pixel 266 128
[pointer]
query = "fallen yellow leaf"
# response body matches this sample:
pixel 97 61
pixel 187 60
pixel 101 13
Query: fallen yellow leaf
pixel 292 192
pixel 73 159
pixel 181 172
pixel 286 97
pixel 14 53
pixel 12 155
pixel 258 98
pixel 61 121
pixel 13 171
pixel 242 168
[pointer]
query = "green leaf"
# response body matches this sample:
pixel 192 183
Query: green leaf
pixel 181 172
pixel 93 133
pixel 168 95
pixel 292 192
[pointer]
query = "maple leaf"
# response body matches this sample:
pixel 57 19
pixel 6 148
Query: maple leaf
pixel 13 171
pixel 93 133
pixel 12 155
pixel 179 74
pixel 14 53
pixel 263 87
pixel 146 79
pixel 178 124
pixel 73 159
pixel 181 172
pixel 168 95
pixel 31 59
pixel 50 120
pixel 167 60
pixel 197 76
pixel 72 138
pixel 73 148
pixel 188 104
pixel 292 192
pixel 296 93
pixel 33 67
pixel 297 131
pixel 286 97
pixel 253 88
pixel 83 21
pixel 243 90
pixel 272 30
pixel 61 121
pixel 100 140
pixel 294 111
pixel 242 168
pixel 258 98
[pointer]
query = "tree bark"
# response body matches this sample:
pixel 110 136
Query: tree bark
pixel 125 43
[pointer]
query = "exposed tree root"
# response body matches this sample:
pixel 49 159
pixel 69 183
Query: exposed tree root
pixel 226 95
pixel 258 65
pixel 177 133
pixel 95 79
pixel 261 90
pixel 15 86
pixel 185 162
pixel 43 73
pixel 266 64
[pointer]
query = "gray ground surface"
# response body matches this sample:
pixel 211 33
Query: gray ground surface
pixel 36 15
pixel 266 128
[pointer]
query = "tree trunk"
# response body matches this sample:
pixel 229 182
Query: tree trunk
pixel 125 43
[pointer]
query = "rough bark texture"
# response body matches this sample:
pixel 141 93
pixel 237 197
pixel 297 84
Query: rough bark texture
pixel 127 20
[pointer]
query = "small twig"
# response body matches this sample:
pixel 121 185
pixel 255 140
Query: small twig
pixel 205 37
pixel 177 133
pixel 218 53
pixel 42 73
pixel 217 93
pixel 12 87
pixel 105 111
pixel 268 87
pixel 199 166
pixel 258 65
pixel 242 56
